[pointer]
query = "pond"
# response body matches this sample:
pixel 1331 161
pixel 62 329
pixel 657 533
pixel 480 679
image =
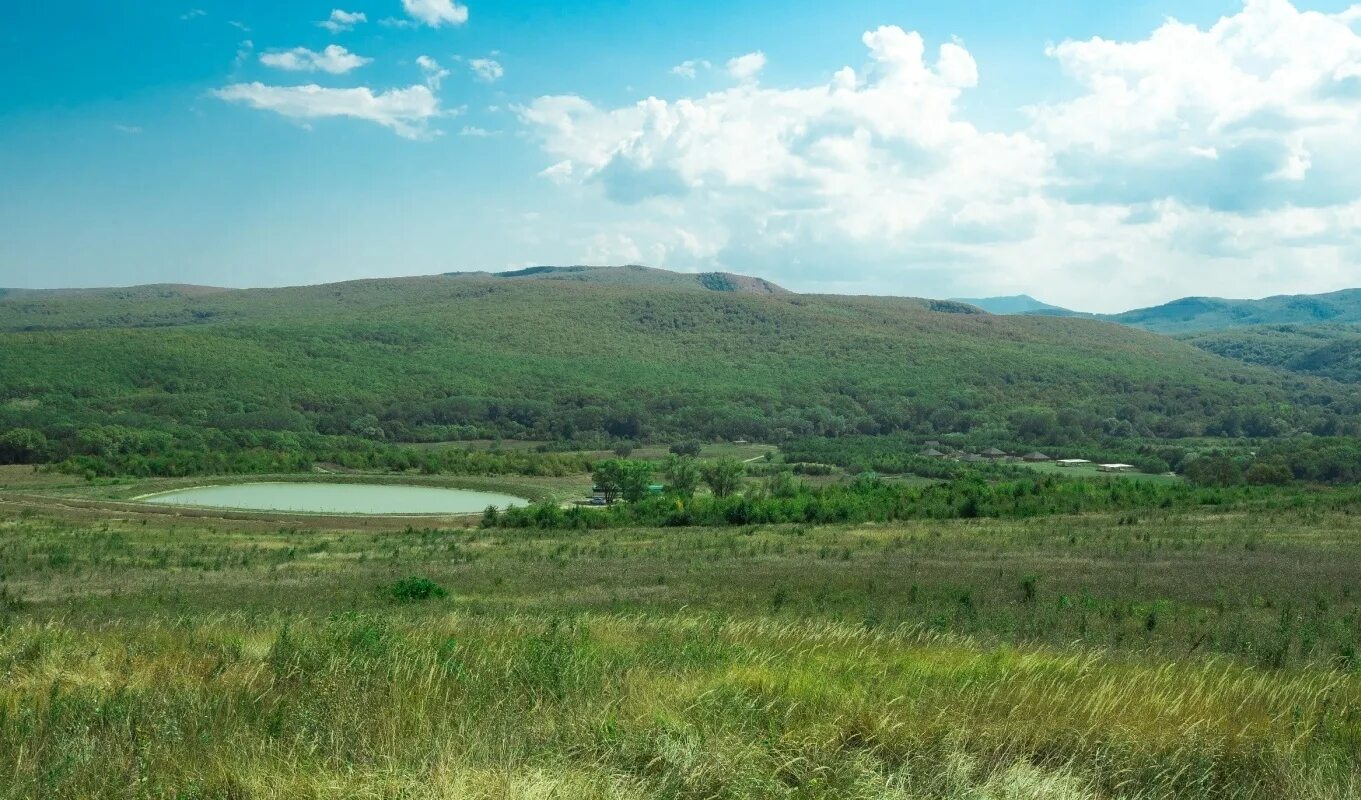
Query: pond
pixel 336 498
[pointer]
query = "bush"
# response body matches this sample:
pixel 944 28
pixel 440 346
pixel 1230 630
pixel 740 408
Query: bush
pixel 416 590
pixel 1267 474
pixel 690 449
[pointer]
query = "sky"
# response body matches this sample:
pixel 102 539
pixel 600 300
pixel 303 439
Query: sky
pixel 1100 156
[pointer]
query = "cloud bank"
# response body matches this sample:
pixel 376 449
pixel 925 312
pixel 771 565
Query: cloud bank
pixel 1222 156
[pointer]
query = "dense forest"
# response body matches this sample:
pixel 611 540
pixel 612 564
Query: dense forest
pixel 178 380
pixel 1327 351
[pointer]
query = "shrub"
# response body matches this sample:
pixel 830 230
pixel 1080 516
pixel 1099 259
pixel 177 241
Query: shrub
pixel 415 590
pixel 690 448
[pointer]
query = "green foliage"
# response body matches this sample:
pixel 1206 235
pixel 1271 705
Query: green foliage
pixel 623 478
pixel 1216 469
pixel 415 589
pixel 870 499
pixel 22 446
pixel 723 477
pixel 1328 351
pixel 165 381
pixel 689 449
pixel 682 475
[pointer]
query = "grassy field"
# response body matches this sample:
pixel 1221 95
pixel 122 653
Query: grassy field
pixel 1094 657
pixel 1091 471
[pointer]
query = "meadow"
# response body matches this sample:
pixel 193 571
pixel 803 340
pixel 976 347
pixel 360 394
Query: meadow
pixel 1170 654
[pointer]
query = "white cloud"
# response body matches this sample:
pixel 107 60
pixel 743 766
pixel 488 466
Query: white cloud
pixel 1267 90
pixel 407 112
pixel 436 13
pixel 475 132
pixel 747 67
pixel 193 13
pixel 341 21
pixel 334 59
pixel 690 68
pixel 1186 162
pixel 486 69
pixel 434 73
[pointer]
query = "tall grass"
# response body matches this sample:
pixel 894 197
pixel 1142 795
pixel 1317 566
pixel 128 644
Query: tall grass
pixel 1172 657
pixel 448 704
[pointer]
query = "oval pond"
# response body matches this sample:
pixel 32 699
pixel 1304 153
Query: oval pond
pixel 336 498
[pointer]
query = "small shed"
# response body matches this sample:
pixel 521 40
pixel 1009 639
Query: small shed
pixel 994 453
pixel 1035 457
pixel 1115 467
pixel 1072 462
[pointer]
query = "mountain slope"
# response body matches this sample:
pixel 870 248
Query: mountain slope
pixel 437 358
pixel 634 275
pixel 1327 350
pixel 1015 304
pixel 1197 314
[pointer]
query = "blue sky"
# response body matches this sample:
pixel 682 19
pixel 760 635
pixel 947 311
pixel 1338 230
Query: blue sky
pixel 1102 156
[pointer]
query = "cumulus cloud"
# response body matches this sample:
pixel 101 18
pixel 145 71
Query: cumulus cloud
pixel 436 13
pixel 747 67
pixel 341 21
pixel 690 68
pixel 1243 115
pixel 334 59
pixel 1192 159
pixel 486 69
pixel 407 112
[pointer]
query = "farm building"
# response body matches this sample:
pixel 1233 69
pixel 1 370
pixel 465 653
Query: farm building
pixel 994 453
pixel 1072 462
pixel 1115 467
pixel 1035 458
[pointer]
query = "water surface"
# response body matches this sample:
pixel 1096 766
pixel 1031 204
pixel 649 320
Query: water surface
pixel 336 498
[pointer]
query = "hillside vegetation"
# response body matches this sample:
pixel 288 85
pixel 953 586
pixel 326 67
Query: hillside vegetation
pixel 1330 351
pixel 1202 314
pixel 164 369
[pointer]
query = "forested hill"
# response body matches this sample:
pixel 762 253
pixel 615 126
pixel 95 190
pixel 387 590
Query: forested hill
pixel 1328 350
pixel 441 358
pixel 1203 314
pixel 1194 314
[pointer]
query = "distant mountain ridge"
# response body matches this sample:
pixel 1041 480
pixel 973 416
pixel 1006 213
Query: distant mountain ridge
pixel 1013 304
pixel 636 275
pixel 1199 314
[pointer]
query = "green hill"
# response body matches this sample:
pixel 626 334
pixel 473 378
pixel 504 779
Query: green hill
pixel 164 368
pixel 1197 314
pixel 1329 350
